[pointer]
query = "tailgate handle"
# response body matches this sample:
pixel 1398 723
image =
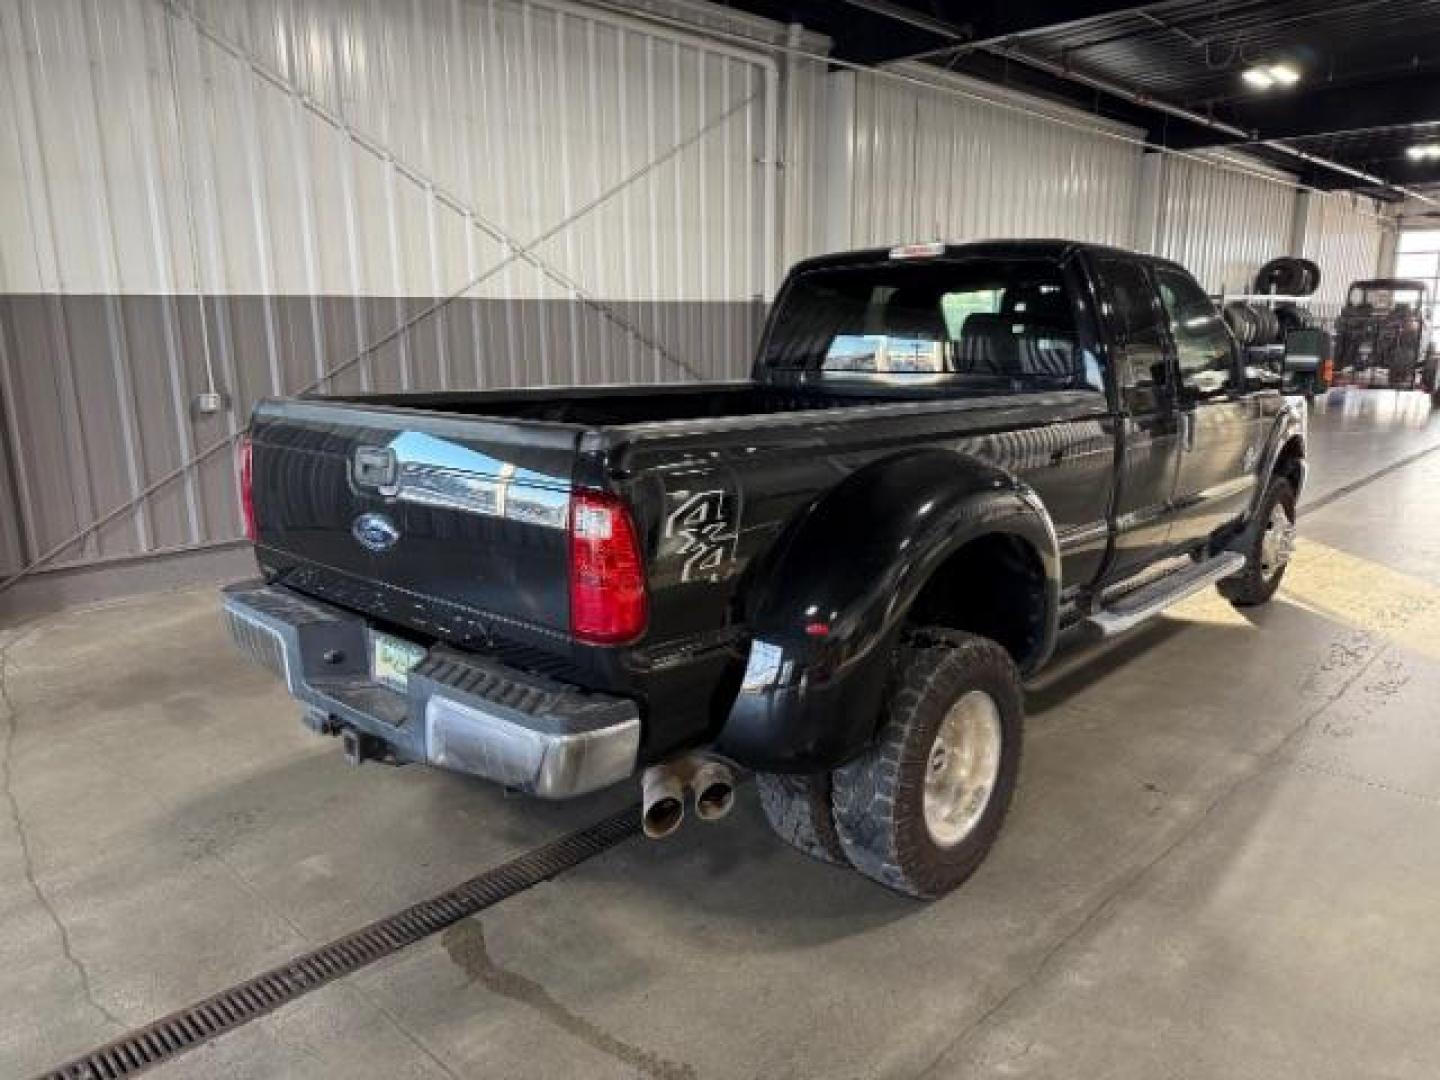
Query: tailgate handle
pixel 375 466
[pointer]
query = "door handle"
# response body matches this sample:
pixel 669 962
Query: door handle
pixel 1187 431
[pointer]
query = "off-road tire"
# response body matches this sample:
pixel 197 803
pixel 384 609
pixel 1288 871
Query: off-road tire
pixel 1250 587
pixel 878 797
pixel 799 811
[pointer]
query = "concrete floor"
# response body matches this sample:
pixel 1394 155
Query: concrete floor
pixel 1221 862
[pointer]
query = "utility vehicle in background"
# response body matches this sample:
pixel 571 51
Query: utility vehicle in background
pixel 1383 336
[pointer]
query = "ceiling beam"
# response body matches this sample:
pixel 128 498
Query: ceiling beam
pixel 1222 131
pixel 1001 20
pixel 1410 174
pixel 877 31
pixel 974 24
pixel 1330 110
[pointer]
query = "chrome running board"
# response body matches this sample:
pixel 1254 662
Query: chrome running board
pixel 1150 600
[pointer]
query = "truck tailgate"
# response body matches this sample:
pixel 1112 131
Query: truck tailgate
pixel 447 524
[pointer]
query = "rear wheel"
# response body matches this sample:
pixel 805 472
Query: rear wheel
pixel 1271 544
pixel 919 810
pixel 799 811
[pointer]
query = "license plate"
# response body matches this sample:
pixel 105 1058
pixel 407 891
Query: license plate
pixel 391 660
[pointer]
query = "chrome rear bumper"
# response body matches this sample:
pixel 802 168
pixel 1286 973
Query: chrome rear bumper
pixel 460 711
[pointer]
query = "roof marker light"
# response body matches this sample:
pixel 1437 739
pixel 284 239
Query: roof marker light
pixel 918 251
pixel 1284 74
pixel 1264 76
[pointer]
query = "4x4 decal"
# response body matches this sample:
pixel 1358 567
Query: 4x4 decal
pixel 706 533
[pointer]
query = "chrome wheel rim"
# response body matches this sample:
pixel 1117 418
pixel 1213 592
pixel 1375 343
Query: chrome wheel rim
pixel 1278 542
pixel 962 768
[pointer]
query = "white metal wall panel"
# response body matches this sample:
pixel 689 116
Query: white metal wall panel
pixel 806 158
pixel 1222 223
pixel 925 163
pixel 1344 234
pixel 265 188
pixel 526 110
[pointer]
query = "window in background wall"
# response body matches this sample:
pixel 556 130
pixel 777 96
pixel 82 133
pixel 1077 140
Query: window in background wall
pixel 1418 256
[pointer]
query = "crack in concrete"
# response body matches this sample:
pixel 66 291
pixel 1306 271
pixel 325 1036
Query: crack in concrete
pixel 12 729
pixel 27 631
pixel 1319 768
pixel 465 944
pixel 1267 761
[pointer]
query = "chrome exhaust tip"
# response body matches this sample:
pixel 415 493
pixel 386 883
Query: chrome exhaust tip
pixel 714 787
pixel 662 801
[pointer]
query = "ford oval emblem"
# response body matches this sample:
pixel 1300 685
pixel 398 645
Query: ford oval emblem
pixel 375 532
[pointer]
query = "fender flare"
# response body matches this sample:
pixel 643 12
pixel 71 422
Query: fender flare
pixel 1290 427
pixel 826 608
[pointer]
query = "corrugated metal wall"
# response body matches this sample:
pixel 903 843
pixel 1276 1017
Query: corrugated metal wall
pixel 1220 222
pixel 264 188
pixel 922 163
pixel 1344 234
pixel 805 159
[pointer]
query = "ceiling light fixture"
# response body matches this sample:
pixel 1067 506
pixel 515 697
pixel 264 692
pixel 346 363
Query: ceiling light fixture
pixel 1424 152
pixel 1264 76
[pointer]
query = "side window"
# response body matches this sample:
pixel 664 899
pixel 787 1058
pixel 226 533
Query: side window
pixel 1203 344
pixel 1134 320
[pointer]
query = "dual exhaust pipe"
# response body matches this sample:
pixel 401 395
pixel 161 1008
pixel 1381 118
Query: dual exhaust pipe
pixel 709 780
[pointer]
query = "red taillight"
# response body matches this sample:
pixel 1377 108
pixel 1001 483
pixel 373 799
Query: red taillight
pixel 607 575
pixel 245 470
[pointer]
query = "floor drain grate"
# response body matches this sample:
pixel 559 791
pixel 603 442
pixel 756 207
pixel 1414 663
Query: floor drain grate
pixel 166 1038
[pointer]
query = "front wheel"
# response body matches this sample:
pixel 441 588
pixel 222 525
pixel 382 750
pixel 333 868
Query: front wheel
pixel 1271 543
pixel 919 810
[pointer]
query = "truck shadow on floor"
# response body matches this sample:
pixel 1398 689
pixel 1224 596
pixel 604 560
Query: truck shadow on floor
pixel 1085 665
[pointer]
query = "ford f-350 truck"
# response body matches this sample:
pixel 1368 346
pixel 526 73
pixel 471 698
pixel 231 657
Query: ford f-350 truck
pixel 835 574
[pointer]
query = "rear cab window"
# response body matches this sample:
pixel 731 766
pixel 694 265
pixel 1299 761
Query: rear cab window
pixel 1003 325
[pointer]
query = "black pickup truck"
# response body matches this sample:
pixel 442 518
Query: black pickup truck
pixel 835 574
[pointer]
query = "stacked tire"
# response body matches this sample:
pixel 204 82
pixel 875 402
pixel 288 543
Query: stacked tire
pixel 1267 324
pixel 1252 324
pixel 1288 276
